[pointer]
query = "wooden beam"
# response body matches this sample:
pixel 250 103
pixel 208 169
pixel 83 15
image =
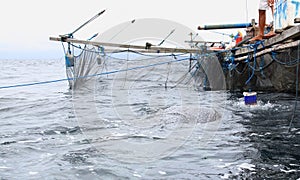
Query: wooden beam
pixel 275 48
pixel 152 49
pixel 291 33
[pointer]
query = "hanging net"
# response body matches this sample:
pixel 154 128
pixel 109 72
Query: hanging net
pixel 137 105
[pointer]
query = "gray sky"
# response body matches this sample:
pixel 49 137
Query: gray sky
pixel 26 25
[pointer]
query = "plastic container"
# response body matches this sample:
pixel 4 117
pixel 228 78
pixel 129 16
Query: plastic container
pixel 250 98
pixel 69 60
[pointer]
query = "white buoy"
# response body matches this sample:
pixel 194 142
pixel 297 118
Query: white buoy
pixel 99 60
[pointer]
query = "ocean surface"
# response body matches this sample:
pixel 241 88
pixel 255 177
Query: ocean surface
pixel 138 128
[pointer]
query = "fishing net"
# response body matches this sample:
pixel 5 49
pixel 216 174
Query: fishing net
pixel 138 105
pixel 178 69
pixel 83 68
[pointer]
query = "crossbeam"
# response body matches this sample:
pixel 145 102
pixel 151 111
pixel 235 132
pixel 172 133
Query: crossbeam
pixel 150 49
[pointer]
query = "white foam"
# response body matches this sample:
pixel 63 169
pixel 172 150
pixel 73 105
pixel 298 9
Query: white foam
pixel 30 141
pixel 225 176
pixel 253 134
pixel 247 166
pixel 33 173
pixel 288 171
pixel 162 172
pixel 4 167
pixel 225 165
pixel 119 134
pixel 259 106
pixel 135 174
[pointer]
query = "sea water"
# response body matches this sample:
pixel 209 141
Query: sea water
pixel 47 133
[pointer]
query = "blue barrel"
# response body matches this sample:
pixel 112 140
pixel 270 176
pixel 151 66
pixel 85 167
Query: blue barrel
pixel 250 98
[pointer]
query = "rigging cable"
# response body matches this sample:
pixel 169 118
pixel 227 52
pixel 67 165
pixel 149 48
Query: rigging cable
pixel 297 87
pixel 131 22
pixel 93 75
pixel 254 61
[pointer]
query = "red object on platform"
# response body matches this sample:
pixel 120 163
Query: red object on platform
pixel 239 39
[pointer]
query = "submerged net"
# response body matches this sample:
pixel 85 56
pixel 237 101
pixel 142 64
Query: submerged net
pixel 180 69
pixel 141 106
pixel 137 106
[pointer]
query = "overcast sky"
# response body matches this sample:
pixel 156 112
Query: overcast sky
pixel 26 25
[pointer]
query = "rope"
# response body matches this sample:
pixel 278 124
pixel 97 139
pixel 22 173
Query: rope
pixel 34 83
pixel 166 82
pixel 297 88
pixel 93 75
pixel 224 34
pixel 127 50
pixel 185 75
pixel 288 64
pixel 261 65
pixel 254 61
pixel 240 72
pixel 101 50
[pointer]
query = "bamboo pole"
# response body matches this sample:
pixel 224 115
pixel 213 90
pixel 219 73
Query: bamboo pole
pixel 150 49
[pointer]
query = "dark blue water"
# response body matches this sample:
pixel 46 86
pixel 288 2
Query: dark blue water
pixel 49 132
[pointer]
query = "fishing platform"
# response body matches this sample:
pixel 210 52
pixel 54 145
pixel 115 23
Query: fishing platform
pixel 267 65
pixel 271 64
pixel 286 39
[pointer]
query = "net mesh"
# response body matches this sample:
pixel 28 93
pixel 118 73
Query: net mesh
pixel 84 67
pixel 181 69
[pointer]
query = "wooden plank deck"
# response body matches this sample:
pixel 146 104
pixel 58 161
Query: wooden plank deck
pixel 273 48
pixel 292 33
